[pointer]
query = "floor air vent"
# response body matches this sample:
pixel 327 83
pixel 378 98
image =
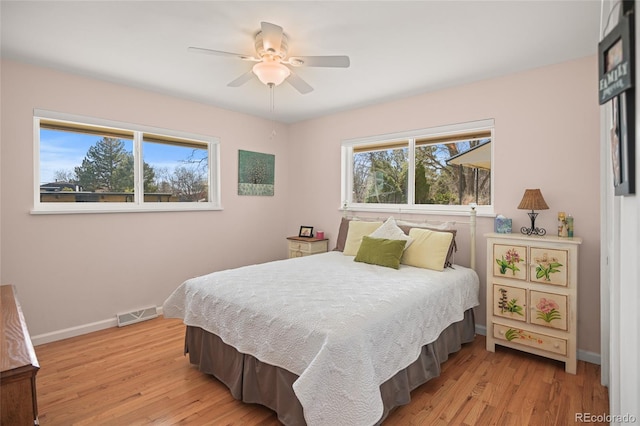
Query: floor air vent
pixel 137 316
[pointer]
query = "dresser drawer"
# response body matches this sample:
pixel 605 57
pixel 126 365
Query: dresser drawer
pixel 529 338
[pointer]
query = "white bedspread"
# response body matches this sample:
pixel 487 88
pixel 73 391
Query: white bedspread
pixel 343 327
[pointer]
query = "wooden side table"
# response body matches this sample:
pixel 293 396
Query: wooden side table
pixel 301 246
pixel 18 364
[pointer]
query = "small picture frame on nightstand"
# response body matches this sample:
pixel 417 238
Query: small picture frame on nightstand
pixel 306 232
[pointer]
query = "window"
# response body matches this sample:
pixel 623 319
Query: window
pixel 440 169
pixel 90 165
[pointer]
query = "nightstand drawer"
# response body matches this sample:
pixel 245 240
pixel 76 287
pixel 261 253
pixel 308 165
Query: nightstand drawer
pixel 299 247
pixel 529 338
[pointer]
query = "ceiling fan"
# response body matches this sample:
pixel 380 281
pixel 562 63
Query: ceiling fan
pixel 272 65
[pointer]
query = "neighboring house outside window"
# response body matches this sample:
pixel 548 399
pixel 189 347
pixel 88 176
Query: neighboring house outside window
pixel 90 165
pixel 441 170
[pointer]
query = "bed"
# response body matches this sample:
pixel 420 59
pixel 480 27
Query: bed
pixel 329 339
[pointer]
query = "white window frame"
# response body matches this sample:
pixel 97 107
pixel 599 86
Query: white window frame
pixel 349 145
pixel 213 148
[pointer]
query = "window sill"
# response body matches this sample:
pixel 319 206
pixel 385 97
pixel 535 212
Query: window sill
pixel 481 211
pixel 124 208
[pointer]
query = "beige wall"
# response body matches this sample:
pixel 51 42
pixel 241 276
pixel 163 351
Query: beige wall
pixel 546 136
pixel 76 269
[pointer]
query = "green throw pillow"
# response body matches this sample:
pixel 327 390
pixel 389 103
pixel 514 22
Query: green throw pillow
pixel 380 251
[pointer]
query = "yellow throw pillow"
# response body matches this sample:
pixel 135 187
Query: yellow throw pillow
pixel 357 230
pixel 428 250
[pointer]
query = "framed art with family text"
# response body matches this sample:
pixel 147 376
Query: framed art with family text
pixel 616 70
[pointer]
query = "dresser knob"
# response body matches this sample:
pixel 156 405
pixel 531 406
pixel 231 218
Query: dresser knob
pixel 556 345
pixel 501 332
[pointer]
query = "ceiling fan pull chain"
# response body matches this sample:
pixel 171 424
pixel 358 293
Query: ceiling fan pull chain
pixel 271 98
pixel 272 108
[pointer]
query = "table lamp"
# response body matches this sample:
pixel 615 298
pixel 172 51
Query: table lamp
pixel 533 200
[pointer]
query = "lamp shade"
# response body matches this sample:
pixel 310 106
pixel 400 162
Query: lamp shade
pixel 533 200
pixel 270 72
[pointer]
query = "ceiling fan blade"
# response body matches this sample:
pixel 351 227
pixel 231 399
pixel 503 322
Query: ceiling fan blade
pixel 271 37
pixel 339 61
pixel 242 79
pixel 298 83
pixel 221 53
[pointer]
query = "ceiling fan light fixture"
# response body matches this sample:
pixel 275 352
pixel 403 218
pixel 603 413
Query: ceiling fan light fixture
pixel 272 66
pixel 269 72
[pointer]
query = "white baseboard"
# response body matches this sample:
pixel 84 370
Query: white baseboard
pixel 481 329
pixel 585 356
pixel 66 333
pixel 590 357
pixel 79 330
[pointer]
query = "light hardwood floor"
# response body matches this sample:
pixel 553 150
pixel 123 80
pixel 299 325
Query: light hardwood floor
pixel 137 375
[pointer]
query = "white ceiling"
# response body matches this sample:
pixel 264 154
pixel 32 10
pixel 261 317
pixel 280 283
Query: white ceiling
pixel 397 48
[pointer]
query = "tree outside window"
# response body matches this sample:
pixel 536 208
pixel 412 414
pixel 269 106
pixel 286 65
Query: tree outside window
pixel 453 169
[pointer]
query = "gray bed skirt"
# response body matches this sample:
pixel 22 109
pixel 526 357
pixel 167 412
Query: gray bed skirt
pixel 253 381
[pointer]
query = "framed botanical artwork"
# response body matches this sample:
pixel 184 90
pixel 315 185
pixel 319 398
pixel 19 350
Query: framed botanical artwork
pixel 256 173
pixel 510 261
pixel 306 232
pixel 509 302
pixel 549 266
pixel 548 309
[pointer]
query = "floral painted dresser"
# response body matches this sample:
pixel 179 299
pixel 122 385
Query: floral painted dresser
pixel 532 292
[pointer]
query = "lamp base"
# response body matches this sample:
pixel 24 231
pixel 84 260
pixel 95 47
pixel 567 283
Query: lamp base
pixel 533 230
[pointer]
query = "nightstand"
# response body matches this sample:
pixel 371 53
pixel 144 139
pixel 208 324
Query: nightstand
pixel 301 246
pixel 532 295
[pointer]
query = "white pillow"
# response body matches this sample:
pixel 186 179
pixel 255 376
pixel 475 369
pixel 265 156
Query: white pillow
pixel 357 230
pixel 444 226
pixel 429 249
pixel 390 231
